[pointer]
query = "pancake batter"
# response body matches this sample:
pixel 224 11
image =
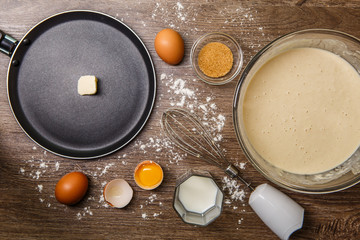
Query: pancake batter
pixel 302 110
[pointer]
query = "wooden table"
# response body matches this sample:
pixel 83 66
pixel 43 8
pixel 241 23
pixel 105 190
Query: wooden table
pixel 28 174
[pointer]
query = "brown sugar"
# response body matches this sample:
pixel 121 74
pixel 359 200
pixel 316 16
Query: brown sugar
pixel 215 59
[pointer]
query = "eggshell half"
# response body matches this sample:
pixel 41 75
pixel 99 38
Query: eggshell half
pixel 118 193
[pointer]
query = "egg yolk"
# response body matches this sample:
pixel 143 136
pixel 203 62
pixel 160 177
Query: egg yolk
pixel 148 175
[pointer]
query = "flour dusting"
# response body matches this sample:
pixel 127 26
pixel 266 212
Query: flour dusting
pixel 151 200
pixel 191 99
pixel 232 186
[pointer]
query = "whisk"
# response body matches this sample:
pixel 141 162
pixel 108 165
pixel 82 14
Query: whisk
pixel 279 212
pixel 189 134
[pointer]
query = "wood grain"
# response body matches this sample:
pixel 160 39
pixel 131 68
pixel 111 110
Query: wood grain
pixel 343 228
pixel 29 211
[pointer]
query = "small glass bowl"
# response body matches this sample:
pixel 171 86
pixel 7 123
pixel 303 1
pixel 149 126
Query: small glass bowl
pixel 231 43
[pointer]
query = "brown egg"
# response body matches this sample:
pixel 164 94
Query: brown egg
pixel 169 45
pixel 71 188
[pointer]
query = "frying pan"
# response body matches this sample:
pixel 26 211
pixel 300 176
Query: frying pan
pixel 42 81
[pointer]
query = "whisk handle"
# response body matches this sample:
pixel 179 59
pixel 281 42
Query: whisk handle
pixel 233 172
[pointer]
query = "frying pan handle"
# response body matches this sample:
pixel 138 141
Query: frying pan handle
pixel 7 43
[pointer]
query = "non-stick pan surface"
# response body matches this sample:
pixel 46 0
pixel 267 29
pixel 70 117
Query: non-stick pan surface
pixel 42 88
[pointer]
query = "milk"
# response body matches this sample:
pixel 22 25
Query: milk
pixel 198 194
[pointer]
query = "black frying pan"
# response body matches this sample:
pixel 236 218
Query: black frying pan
pixel 42 83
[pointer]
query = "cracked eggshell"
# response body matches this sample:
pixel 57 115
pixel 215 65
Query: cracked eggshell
pixel 118 193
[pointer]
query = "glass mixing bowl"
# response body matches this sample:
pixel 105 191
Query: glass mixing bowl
pixel 341 177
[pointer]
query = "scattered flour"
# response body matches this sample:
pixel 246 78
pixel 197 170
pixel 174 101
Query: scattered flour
pixel 166 12
pixel 179 6
pixel 40 187
pixel 101 197
pixel 239 222
pixel 100 171
pixel 57 166
pixel 106 168
pixel 163 147
pixel 123 162
pixel 205 108
pixel 85 211
pixel 152 199
pixel 232 186
pixel 240 165
pixel 237 194
pixel 35 168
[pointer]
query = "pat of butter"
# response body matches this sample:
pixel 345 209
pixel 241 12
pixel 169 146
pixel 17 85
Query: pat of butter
pixel 87 85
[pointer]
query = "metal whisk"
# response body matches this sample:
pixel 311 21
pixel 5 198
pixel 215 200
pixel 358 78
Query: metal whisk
pixel 189 134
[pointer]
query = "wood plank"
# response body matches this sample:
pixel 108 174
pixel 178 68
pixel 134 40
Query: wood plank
pixel 28 174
